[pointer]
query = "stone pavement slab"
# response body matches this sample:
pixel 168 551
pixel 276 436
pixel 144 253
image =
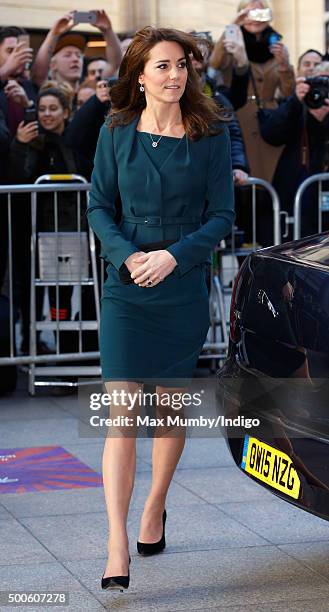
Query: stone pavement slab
pixel 41 432
pixel 70 536
pixel 314 555
pixel 199 527
pixel 201 453
pixel 55 503
pixel 312 605
pixel 4 514
pixel 220 485
pixel 48 577
pixel 19 546
pixel 208 579
pixel 177 496
pixel 30 408
pixel 278 521
pixel 92 453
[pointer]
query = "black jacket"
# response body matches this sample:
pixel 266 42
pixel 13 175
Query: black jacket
pixel 293 126
pixel 238 152
pixel 237 93
pixel 4 148
pixel 82 132
pixel 50 154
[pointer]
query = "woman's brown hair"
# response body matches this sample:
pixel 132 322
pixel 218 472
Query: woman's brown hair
pixel 60 90
pixel 199 112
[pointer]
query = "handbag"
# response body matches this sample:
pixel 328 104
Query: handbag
pixel 124 273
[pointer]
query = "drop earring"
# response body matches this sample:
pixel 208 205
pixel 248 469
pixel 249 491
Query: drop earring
pixel 141 88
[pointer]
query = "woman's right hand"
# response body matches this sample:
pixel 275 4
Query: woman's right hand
pixel 27 133
pixel 132 261
pixel 241 16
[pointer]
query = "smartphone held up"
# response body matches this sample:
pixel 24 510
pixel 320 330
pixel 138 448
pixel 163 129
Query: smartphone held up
pixel 24 41
pixel 84 17
pixel 231 33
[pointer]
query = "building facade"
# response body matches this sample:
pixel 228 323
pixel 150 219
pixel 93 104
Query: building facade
pixel 302 23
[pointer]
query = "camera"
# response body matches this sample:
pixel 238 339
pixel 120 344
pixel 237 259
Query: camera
pixel 261 15
pixel 319 91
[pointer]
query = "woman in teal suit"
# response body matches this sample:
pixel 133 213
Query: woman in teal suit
pixel 165 151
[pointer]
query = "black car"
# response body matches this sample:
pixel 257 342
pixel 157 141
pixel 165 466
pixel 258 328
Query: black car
pixel 274 386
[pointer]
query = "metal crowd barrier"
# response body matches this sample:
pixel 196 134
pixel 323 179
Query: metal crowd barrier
pixel 323 203
pixel 216 344
pixel 215 348
pixel 45 278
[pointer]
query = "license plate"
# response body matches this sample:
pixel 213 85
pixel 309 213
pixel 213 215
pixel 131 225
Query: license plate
pixel 271 466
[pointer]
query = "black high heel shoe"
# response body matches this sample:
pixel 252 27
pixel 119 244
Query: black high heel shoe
pixel 152 549
pixel 116 583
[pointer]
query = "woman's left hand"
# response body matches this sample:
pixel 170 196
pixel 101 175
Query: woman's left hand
pixel 154 266
pixel 281 54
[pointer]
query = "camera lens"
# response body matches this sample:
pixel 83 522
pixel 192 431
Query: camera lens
pixel 319 91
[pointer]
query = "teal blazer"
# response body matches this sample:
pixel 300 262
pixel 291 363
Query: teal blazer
pixel 189 200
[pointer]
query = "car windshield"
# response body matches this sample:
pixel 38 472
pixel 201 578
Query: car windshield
pixel 314 250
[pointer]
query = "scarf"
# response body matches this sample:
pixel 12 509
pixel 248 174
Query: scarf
pixel 258 49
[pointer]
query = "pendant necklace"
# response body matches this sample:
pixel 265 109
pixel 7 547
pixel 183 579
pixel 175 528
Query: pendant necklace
pixel 155 142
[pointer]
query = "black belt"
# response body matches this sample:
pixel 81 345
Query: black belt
pixel 156 221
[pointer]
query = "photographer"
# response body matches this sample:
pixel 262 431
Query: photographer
pixel 269 70
pixel 60 65
pixel 308 61
pixel 302 125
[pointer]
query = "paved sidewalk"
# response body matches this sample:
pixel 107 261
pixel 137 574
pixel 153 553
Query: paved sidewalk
pixel 230 544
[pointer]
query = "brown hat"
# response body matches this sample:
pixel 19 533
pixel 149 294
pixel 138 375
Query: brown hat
pixel 71 39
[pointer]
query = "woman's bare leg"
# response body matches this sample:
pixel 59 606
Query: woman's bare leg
pixel 119 465
pixel 167 449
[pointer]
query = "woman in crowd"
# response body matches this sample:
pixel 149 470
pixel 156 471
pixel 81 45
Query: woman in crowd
pixel 165 151
pixel 269 71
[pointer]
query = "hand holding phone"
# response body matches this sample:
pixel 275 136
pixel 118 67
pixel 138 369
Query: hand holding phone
pixel 231 33
pixel 27 133
pixel 84 17
pixel 24 41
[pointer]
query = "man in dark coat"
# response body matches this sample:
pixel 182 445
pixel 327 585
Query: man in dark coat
pixel 305 132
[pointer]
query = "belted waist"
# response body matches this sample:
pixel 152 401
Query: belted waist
pixel 157 221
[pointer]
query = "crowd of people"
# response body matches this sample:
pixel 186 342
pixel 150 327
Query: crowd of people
pixel 53 104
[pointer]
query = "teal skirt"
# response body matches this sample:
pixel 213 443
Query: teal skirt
pixel 153 332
